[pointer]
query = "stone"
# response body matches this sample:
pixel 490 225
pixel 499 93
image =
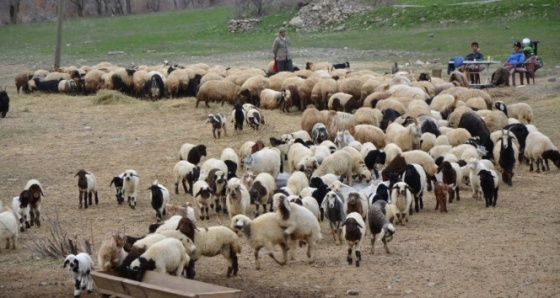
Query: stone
pixel 552 79
pixel 408 292
pixel 353 292
pixel 431 284
pixel 296 22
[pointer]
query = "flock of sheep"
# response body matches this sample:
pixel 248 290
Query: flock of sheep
pixel 370 145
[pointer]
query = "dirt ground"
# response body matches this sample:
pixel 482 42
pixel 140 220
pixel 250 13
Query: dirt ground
pixel 512 250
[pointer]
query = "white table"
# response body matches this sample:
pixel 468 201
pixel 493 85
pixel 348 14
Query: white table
pixel 487 63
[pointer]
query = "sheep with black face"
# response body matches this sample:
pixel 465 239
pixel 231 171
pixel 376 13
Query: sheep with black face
pixel 218 122
pixel 4 103
pixel 87 184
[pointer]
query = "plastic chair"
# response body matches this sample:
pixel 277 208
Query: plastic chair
pixel 528 69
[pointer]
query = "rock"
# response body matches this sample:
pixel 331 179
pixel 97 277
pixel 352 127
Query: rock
pixel 87 128
pixel 296 22
pixel 417 63
pixel 431 284
pixel 243 25
pixel 552 79
pixel 408 292
pixel 44 283
pixel 115 53
pixel 353 292
pixel 431 35
pixel 340 28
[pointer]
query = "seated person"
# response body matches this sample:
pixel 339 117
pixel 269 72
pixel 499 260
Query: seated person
pixel 472 56
pixel 516 59
pixel 475 55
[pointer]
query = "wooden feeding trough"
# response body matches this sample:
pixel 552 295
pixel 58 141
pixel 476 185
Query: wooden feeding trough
pixel 156 285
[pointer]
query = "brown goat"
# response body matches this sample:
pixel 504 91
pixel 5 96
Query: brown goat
pixel 440 191
pixel 259 145
pixel 396 165
pixel 354 204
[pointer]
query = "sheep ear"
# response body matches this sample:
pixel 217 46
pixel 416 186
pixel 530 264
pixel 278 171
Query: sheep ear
pixel 66 262
pixel 198 193
pixel 286 203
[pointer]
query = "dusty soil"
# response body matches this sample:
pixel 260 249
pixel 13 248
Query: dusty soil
pixel 512 250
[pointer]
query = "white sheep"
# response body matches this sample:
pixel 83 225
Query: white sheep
pixel 343 138
pixel 358 166
pixel 203 198
pixel 407 138
pixel 474 166
pixel 238 198
pixel 263 231
pixel 271 99
pixel 401 196
pixel 296 182
pixel 540 148
pixel 187 242
pixel 209 165
pixel 308 202
pixel 458 136
pixel 130 187
pixel 422 158
pixel 521 111
pixel 299 222
pixel 296 154
pixel 165 256
pixel 8 228
pixel 209 242
pixel 80 267
pixel 184 172
pixel 391 151
pixel 354 232
pixel 266 160
pixel 261 191
pixel 87 185
pixel 338 163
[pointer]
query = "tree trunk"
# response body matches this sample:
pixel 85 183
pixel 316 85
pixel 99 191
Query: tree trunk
pixel 14 11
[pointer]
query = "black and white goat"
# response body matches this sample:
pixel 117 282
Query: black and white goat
pixel 80 267
pixel 341 65
pixel 46 86
pixel 4 103
pixel 374 160
pixel 159 196
pixel 415 176
pixel 118 182
pixel 521 132
pixel 254 118
pixel 320 133
pixel 507 159
pixel 218 121
pixel 87 184
pixel 154 88
pixel 476 126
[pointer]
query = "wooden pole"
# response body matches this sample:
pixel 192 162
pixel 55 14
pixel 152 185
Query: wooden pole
pixel 59 34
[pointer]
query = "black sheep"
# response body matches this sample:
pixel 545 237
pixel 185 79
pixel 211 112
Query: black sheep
pixel 342 65
pixel 154 88
pixel 239 116
pixel 476 126
pixel 118 182
pixel 4 103
pixel 196 153
pixel 374 158
pixel 159 199
pixel 389 115
pixel 429 125
pixel 489 185
pixel 194 84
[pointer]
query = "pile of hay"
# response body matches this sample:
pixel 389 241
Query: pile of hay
pixel 107 97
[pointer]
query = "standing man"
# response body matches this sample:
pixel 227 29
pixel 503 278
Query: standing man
pixel 281 51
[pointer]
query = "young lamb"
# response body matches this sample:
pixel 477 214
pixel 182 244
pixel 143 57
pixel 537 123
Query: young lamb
pixel 217 180
pixel 356 202
pixel 379 225
pixel 506 156
pixel 109 253
pixel 261 191
pixel 203 197
pixel 474 165
pixel 238 198
pixel 402 198
pixel 210 242
pixel 254 118
pixel 118 182
pixel 87 184
pixel 166 256
pixel 21 209
pixel 218 121
pixel 333 204
pixel 354 232
pixel 415 177
pixel 185 172
pixel 8 228
pixel 185 211
pixel 130 187
pixel 159 196
pixel 489 184
pixel 298 222
pixel 238 116
pixel 441 192
pixel 192 153
pixel 451 175
pixel 80 267
pixel 540 148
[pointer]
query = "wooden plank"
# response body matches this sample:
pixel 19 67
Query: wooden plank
pixel 156 285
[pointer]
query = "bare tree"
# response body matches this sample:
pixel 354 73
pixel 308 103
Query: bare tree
pixel 80 5
pixel 154 5
pixel 245 8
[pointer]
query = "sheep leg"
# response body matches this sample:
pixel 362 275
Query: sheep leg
pixel 206 210
pixel 451 193
pixel 372 243
pixel 539 161
pixel 214 132
pixel 358 257
pixel 437 207
pixel 80 198
pixel 37 218
pixel 311 250
pixel 90 196
pixel 385 245
pixel 349 256
pixel 184 186
pixel 225 132
pixel 190 269
pixel 547 166
pixel 531 160
pixel 256 210
pixel 495 197
pixel 96 198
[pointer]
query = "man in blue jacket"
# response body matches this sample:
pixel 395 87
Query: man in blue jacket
pixel 516 59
